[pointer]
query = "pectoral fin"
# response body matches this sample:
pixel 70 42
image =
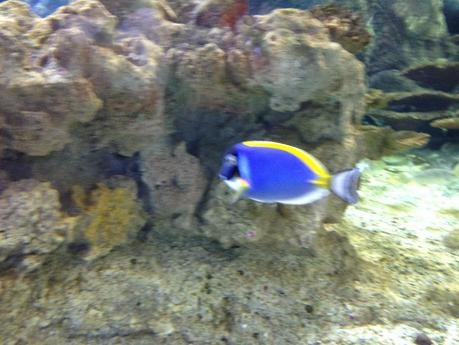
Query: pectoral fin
pixel 240 187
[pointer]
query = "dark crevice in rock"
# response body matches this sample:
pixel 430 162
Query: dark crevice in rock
pixel 209 134
pixel 11 262
pixel 391 81
pixel 16 166
pixel 440 137
pixel 66 169
pixel 443 77
pixel 114 164
pixel 422 102
pixel 78 247
pixel 202 204
pixel 451 12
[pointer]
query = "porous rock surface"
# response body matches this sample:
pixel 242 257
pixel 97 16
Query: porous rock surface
pixel 176 182
pixel 69 68
pixel 31 224
pixel 108 216
pixel 280 70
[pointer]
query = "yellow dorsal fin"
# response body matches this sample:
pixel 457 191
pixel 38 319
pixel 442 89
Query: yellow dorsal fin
pixel 316 166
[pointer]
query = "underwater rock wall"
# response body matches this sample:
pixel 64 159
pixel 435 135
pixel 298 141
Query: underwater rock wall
pixel 114 229
pixel 410 40
pixel 130 80
pixel 77 95
pixel 403 32
pixel 67 69
pixel 150 91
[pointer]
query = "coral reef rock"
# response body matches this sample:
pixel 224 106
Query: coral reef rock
pixel 35 132
pixel 122 8
pixel 220 13
pixel 74 68
pixel 31 224
pixel 450 123
pixel 176 182
pixel 380 141
pixel 274 53
pixel 403 32
pixel 344 26
pixel 299 51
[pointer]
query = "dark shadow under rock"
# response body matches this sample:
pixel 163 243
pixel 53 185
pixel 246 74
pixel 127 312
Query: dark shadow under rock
pixel 442 76
pixel 391 81
pixel 424 101
pixel 451 11
pixel 405 120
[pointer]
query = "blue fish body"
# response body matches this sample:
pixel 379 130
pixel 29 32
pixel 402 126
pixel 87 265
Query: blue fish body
pixel 274 174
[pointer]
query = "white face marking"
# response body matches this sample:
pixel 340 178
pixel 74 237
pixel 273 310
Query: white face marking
pixel 238 184
pixel 234 183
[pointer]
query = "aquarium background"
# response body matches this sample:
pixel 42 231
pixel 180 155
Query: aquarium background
pixel 114 118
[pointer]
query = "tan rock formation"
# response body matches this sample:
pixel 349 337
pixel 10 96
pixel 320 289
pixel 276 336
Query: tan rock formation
pixel 31 224
pixel 176 182
pixel 449 123
pixel 69 67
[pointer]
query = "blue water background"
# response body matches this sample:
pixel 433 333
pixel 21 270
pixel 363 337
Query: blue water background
pixel 44 8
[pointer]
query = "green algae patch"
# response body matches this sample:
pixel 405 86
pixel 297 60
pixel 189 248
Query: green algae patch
pixel 111 217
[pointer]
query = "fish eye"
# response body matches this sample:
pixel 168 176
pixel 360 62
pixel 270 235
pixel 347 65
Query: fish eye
pixel 230 159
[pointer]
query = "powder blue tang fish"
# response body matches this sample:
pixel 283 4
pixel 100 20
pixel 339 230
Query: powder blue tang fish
pixel 271 172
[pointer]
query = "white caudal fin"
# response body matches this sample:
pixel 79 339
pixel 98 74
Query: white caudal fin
pixel 345 183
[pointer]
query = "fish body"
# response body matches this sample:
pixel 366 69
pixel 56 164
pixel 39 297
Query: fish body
pixel 272 172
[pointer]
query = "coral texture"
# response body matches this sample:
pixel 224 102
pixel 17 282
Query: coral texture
pixel 69 68
pixel 220 13
pixel 344 26
pixel 176 182
pixel 302 64
pixel 31 224
pixel 111 216
pixel 418 110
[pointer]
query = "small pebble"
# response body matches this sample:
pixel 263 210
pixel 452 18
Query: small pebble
pixel 423 339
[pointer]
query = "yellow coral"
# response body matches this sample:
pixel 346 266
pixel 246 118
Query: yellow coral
pixel 111 218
